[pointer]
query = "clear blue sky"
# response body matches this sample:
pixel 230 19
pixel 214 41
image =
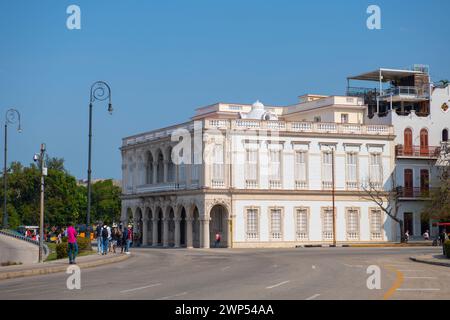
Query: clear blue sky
pixel 165 58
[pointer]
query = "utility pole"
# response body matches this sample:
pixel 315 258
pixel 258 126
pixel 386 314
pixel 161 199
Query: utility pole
pixel 333 197
pixel 41 220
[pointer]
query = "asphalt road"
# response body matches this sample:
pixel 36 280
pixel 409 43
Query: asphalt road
pixel 15 250
pixel 266 274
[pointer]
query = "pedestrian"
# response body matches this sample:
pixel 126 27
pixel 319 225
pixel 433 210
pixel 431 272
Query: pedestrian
pixel 72 246
pixel 58 240
pixel 124 240
pixel 109 239
pixel 407 236
pixel 105 239
pixel 114 239
pixel 129 239
pixel 98 236
pixel 217 242
pixel 426 235
pixel 443 238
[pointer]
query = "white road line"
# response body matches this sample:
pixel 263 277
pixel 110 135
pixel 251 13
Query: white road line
pixel 419 289
pixel 353 265
pixel 141 288
pixel 313 297
pixel 223 269
pixel 410 270
pixel 419 277
pixel 174 296
pixel 277 285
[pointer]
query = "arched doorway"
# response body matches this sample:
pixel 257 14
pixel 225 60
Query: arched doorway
pixel 196 229
pixel 424 142
pixel 149 168
pixel 407 139
pixel 160 167
pixel 149 225
pixel 445 135
pixel 171 228
pixel 160 217
pixel 183 227
pixel 219 224
pixel 137 227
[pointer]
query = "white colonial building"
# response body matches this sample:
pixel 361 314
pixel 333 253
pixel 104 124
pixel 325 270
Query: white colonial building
pixel 419 112
pixel 261 176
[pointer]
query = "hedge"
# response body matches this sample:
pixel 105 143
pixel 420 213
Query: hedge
pixel 84 245
pixel 447 248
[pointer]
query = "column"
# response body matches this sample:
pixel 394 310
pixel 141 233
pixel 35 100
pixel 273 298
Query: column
pixel 177 232
pixel 189 233
pixel 155 232
pixel 135 231
pixel 204 233
pixel 144 231
pixel 229 232
pixel 166 232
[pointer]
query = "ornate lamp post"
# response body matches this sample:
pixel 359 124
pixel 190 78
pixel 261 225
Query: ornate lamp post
pixel 100 91
pixel 12 117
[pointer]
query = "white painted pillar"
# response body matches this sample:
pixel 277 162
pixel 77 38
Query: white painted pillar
pixel 155 173
pixel 166 233
pixel 155 232
pixel 144 231
pixel 177 232
pixel 189 233
pixel 229 231
pixel 204 233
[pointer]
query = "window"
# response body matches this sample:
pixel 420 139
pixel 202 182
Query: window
pixel 252 224
pixel 375 225
pixel 301 219
pixel 375 170
pixel 344 117
pixel 300 171
pixel 424 182
pixel 424 150
pixel 317 119
pixel 251 168
pixel 352 170
pixel 218 166
pixel 276 224
pixel 407 138
pixel 327 224
pixel 327 170
pixel 275 168
pixel 352 224
pixel 445 135
pixel 408 183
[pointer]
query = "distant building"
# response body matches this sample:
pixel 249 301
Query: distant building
pixel 83 182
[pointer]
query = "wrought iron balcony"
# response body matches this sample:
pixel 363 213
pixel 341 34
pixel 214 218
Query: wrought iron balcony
pixel 417 151
pixel 414 193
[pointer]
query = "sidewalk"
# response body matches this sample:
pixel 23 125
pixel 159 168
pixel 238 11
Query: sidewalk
pixel 61 265
pixel 436 259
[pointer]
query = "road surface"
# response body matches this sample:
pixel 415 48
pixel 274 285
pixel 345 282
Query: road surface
pixel 266 274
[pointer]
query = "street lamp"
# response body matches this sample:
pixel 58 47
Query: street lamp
pixel 41 159
pixel 100 91
pixel 12 117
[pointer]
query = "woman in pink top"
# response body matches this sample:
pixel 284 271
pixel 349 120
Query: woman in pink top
pixel 72 248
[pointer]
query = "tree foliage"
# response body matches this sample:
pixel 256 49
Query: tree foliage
pixel 65 200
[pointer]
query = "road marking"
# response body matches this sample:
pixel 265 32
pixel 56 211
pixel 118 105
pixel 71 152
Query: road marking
pixel 141 288
pixel 418 289
pixel 420 277
pixel 174 296
pixel 313 297
pixel 226 268
pixel 277 285
pixel 409 270
pixel 353 265
pixel 398 282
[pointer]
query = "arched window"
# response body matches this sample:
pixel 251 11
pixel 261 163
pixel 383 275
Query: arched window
pixel 407 138
pixel 424 142
pixel 149 168
pixel 444 135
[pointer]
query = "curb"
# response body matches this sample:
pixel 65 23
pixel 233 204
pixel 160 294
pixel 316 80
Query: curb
pixel 436 263
pixel 49 270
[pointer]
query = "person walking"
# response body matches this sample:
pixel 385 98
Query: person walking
pixel 124 240
pixel 105 241
pixel 443 238
pixel 426 235
pixel 129 239
pixel 407 236
pixel 98 236
pixel 72 246
pixel 218 238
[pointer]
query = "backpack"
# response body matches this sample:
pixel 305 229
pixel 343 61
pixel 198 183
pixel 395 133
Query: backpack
pixel 104 233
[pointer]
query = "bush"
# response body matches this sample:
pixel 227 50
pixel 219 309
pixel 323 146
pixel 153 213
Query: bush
pixel 84 245
pixel 447 248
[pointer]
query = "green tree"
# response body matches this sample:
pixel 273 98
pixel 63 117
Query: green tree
pixel 105 201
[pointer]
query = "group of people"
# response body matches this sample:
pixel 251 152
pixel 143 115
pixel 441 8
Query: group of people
pixel 109 239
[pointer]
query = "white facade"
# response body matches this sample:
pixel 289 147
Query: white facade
pixel 263 177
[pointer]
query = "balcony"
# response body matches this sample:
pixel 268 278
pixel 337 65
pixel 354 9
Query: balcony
pixel 417 152
pixel 160 187
pixel 403 93
pixel 413 193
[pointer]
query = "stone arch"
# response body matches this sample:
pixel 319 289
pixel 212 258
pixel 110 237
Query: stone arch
pixel 195 227
pixel 171 172
pixel 159 215
pixel 219 223
pixel 171 222
pixel 148 225
pixel 137 226
pixel 159 166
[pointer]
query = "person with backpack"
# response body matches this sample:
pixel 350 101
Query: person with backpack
pixel 105 241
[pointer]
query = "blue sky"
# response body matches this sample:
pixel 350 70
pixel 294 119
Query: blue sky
pixel 165 58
